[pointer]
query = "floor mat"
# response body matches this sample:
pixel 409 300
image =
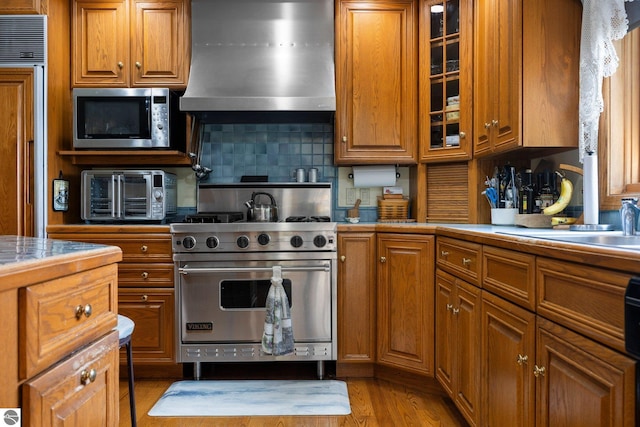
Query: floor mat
pixel 253 397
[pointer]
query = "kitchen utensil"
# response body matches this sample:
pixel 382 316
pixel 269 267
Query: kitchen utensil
pixel 259 212
pixel 300 175
pixel 355 212
pixel 313 174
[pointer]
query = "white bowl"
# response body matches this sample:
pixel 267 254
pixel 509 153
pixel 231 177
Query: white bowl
pixel 353 220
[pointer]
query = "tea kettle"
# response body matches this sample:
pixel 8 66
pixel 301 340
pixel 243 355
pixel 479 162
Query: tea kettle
pixel 261 212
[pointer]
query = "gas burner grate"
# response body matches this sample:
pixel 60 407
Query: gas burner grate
pixel 308 219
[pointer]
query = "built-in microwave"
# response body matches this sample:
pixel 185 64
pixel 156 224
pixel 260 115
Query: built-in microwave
pixel 128 195
pixel 127 118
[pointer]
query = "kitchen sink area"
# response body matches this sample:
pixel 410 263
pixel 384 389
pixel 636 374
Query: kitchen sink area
pixel 600 238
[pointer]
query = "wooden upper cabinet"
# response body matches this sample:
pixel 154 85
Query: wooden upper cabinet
pixel 446 33
pixel 129 44
pixel 24 7
pixel 526 74
pixel 158 43
pixel 99 43
pixel 376 82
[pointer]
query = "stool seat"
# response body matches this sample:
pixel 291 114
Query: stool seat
pixel 125 328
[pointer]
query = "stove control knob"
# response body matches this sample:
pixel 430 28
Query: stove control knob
pixel 242 242
pixel 189 242
pixel 264 239
pixel 296 241
pixel 319 241
pixel 212 242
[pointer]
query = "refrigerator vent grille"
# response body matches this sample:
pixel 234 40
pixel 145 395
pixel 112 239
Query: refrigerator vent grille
pixel 23 40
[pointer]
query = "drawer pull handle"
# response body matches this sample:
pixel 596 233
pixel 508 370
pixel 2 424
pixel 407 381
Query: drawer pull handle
pixel 144 297
pixel 80 310
pixel 449 307
pixel 87 377
pixel 522 359
pixel 466 262
pixel 145 275
pixel 538 371
pixel 144 248
pixel 444 253
pixel 456 310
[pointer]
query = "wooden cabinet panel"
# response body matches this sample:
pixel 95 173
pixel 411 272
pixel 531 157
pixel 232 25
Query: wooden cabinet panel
pixel 80 391
pixel 20 7
pixel 458 342
pixel 586 299
pixel 405 301
pixel 99 43
pixel 581 383
pixel 157 275
pixel 463 259
pixel 153 312
pixel 510 274
pixel 376 82
pixel 356 298
pixel 158 43
pixel 58 316
pixel 16 150
pixel 507 359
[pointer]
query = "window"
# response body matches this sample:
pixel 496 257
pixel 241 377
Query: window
pixel 619 137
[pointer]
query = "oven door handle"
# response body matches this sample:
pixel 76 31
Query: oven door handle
pixel 203 270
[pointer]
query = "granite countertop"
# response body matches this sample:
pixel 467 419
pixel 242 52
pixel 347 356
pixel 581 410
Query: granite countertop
pixel 27 260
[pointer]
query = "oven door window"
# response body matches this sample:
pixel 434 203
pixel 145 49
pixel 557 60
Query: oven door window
pixel 126 117
pixel 135 196
pixel 242 294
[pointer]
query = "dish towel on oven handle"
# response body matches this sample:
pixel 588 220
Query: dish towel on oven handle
pixel 277 338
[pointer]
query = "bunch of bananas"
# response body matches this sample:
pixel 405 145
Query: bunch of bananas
pixel 566 190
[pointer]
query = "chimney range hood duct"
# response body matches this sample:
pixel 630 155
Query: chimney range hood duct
pixel 261 56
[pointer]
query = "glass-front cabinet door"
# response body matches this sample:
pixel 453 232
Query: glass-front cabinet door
pixel 445 80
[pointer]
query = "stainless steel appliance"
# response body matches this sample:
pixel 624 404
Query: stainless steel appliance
pixel 23 45
pixel 224 265
pixel 128 195
pixel 127 118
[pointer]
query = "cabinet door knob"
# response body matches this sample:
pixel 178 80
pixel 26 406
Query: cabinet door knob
pixel 144 297
pixel 494 123
pixel 344 139
pixel 138 65
pixel 144 248
pixel 455 311
pixel 86 310
pixel 538 371
pixel 449 307
pixel 145 275
pixel 463 135
pixel 487 125
pixel 120 65
pixel 522 359
pixel 87 377
pixel 343 258
pixel 383 259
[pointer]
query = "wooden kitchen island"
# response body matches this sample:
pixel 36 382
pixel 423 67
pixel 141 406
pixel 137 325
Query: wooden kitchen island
pixel 59 309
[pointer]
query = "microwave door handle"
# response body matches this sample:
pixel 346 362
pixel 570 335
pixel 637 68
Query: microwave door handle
pixel 118 197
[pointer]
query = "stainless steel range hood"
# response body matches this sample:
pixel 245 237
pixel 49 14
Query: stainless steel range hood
pixel 261 56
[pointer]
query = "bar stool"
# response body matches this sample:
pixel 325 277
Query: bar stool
pixel 125 329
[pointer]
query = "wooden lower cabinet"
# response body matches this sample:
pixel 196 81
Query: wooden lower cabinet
pixel 507 360
pixel 356 303
pixel 79 391
pixel 580 382
pixel 152 311
pixel 457 349
pixel 405 301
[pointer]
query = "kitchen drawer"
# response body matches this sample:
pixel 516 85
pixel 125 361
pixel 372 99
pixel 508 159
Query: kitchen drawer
pixel 135 247
pixel 510 274
pixel 79 391
pixel 460 258
pixel 586 299
pixel 58 316
pixel 157 275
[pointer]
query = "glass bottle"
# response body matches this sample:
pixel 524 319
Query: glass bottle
pixel 546 190
pixel 527 194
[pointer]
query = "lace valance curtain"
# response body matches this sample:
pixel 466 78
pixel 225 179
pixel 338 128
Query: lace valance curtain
pixel 603 21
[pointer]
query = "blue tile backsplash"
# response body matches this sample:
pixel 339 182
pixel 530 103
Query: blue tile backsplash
pixel 276 150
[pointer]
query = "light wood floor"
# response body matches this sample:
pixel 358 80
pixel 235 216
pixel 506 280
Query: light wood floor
pixel 374 402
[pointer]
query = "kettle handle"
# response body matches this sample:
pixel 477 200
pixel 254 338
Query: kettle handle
pixel 257 193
